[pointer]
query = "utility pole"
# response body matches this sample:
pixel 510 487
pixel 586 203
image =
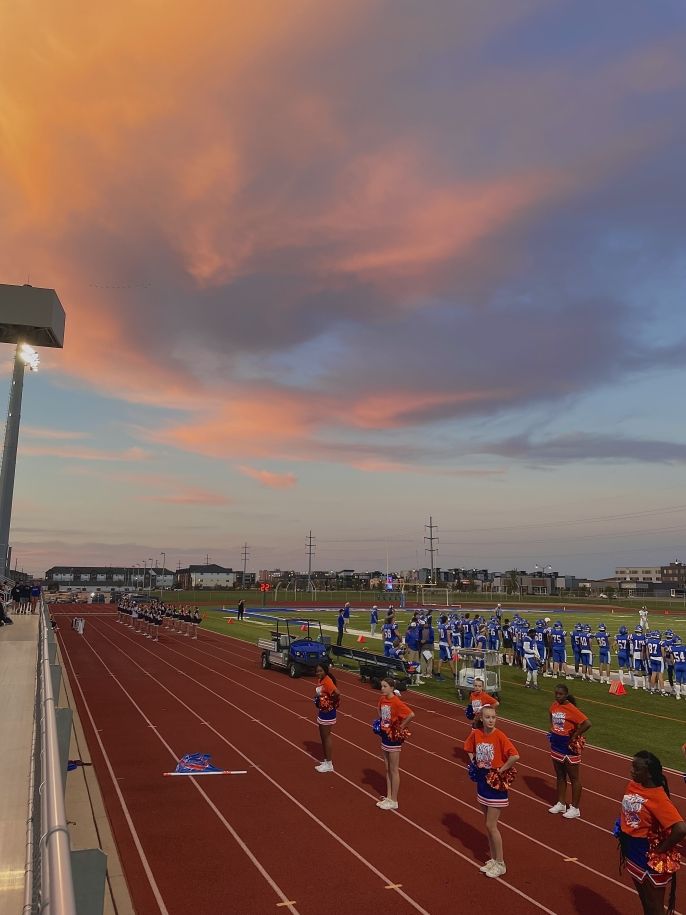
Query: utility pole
pixel 310 545
pixel 431 538
pixel 245 554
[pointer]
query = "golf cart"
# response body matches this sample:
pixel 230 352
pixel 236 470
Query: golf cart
pixel 298 654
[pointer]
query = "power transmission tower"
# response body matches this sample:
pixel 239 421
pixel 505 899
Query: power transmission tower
pixel 431 549
pixel 245 555
pixel 311 547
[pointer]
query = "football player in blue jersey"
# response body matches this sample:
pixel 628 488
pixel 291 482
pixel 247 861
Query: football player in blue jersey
pixel 531 659
pixel 622 646
pixel 576 649
pixel 679 654
pixel 667 641
pixel 603 640
pixel 638 644
pixel 586 653
pixel 558 638
pixel 656 662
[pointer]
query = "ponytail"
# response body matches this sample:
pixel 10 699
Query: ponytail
pixel 657 776
pixel 568 695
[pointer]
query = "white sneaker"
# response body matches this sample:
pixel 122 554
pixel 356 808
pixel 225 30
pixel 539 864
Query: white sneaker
pixel 496 870
pixel 678 696
pixel 381 801
pixel 571 813
pixel 487 866
pixel 569 677
pixel 388 804
pixel 326 766
pixel 557 808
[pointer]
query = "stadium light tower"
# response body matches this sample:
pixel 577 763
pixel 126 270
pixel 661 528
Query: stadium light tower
pixel 29 317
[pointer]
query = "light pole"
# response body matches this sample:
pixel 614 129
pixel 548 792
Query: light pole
pixel 543 570
pixel 28 317
pixel 150 576
pixel 164 570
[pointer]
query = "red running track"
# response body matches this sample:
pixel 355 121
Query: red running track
pixel 284 837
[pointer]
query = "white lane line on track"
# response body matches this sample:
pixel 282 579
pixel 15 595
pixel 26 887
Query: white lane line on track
pixel 407 772
pixel 453 705
pixel 427 727
pixel 415 905
pixel 132 829
pixel 357 787
pixel 272 883
pixel 421 829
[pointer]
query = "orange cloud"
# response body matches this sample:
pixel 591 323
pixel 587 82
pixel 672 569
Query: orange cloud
pixel 270 479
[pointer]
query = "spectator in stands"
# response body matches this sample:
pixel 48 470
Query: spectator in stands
pixel 34 595
pixel 25 597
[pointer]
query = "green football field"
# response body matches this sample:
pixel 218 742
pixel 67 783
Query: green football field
pixel 624 724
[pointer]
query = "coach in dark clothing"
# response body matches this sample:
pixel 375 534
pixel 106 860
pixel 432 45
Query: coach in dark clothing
pixel 341 627
pixel 241 609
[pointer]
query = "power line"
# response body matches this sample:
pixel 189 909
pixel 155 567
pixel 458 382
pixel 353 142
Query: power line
pixel 431 549
pixel 566 521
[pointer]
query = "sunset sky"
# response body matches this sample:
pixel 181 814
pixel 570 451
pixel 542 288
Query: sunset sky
pixel 340 266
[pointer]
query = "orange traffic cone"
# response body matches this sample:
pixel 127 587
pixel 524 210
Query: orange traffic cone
pixel 230 619
pixel 303 628
pixel 617 688
pixel 361 639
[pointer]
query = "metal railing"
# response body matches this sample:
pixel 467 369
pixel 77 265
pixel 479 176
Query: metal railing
pixel 49 887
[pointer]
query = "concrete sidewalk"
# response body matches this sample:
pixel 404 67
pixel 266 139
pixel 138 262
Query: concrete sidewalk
pixel 18 661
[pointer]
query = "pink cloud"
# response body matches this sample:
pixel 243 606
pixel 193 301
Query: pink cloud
pixel 268 478
pixel 191 496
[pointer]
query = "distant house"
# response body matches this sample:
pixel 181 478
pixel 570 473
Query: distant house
pixel 204 576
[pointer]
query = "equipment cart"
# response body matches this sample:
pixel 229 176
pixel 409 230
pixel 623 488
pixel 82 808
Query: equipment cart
pixel 487 667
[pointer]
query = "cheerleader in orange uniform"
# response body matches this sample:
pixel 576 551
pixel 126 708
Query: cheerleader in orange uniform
pixel 492 754
pixel 394 716
pixel 648 830
pixel 326 700
pixel 478 700
pixel 568 724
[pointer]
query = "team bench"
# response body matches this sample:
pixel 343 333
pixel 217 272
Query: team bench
pixel 374 667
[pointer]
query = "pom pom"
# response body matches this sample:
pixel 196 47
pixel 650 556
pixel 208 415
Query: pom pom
pixel 376 726
pixel 328 702
pixel 617 828
pixel 473 771
pixel 317 701
pixel 577 743
pixel 469 712
pixel 662 862
pixel 501 782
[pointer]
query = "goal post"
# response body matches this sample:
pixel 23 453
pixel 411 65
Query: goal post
pixel 430 596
